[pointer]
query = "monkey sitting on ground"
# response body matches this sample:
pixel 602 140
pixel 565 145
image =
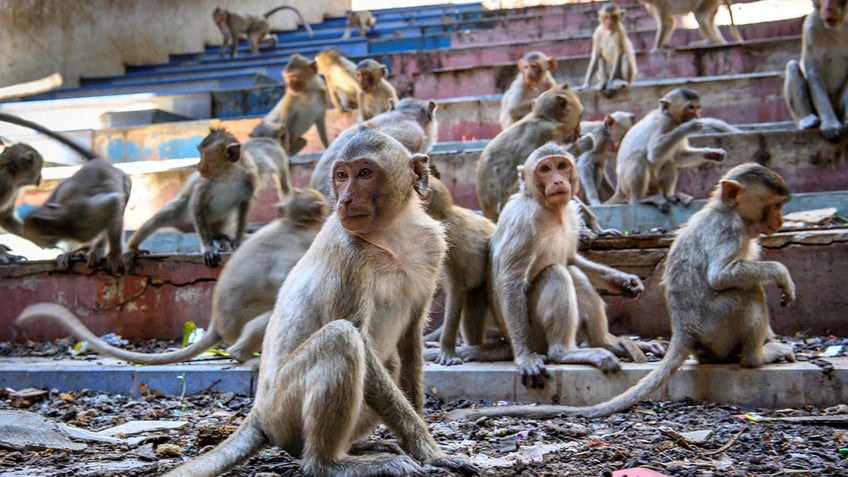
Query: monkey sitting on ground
pixel 87 207
pixel 613 57
pixel 303 104
pixel 412 123
pixel 256 29
pixel 340 75
pixel 816 89
pixel 272 163
pixel 244 294
pixel 20 166
pixel 534 78
pixel 362 20
pixel 592 164
pixel 663 12
pixel 343 349
pixel 376 94
pixel 714 289
pixel 213 202
pixel 657 145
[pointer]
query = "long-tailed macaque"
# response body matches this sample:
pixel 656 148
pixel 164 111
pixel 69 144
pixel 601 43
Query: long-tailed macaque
pixel 412 122
pixel 87 207
pixel 303 104
pixel 653 149
pixel 244 295
pixel 465 269
pixel 613 58
pixel 363 20
pixel 592 164
pixel 213 202
pixel 20 166
pixel 714 289
pixel 343 348
pixel 376 94
pixel 340 75
pixel 534 78
pixel 272 163
pixel 704 11
pixel 816 89
pixel 256 29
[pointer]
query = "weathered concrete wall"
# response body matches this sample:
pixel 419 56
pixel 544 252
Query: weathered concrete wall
pixel 98 37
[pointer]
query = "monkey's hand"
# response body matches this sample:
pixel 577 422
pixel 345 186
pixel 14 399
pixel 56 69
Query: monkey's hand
pixel 211 257
pixel 7 258
pixel 532 369
pixel 788 287
pixel 448 358
pixel 129 257
pixel 456 463
pixel 717 155
pixel 628 285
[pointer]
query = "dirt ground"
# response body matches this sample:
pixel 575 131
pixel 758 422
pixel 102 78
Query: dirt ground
pixel 673 438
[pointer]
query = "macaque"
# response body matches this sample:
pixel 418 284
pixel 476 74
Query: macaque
pixel 537 278
pixel 272 163
pixel 704 11
pixel 714 283
pixel 87 207
pixel 613 58
pixel 20 166
pixel 363 20
pixel 465 269
pixel 534 78
pixel 303 104
pixel 555 117
pixel 213 202
pixel 816 89
pixel 592 164
pixel 412 122
pixel 340 75
pixel 376 94
pixel 343 350
pixel 256 29
pixel 244 295
pixel 653 149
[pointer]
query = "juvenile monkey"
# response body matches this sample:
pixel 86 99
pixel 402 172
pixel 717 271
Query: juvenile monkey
pixel 815 89
pixel 663 12
pixel 256 29
pixel 613 57
pixel 244 294
pixel 653 149
pixel 213 202
pixel 340 75
pixel 303 104
pixel 465 269
pixel 534 78
pixel 87 207
pixel 363 20
pixel 342 351
pixel 20 166
pixel 272 163
pixel 592 164
pixel 714 290
pixel 376 94
pixel 412 123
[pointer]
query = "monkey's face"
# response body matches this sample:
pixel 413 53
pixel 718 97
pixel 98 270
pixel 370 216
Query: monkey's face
pixel 831 12
pixel 532 71
pixel 554 180
pixel 761 209
pixel 608 20
pixel 358 186
pixel 365 80
pixel 217 157
pixel 682 111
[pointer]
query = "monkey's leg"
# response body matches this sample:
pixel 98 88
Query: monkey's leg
pixel 665 26
pixel 587 171
pixel 250 338
pixel 321 126
pixel 754 331
pixel 454 301
pixel 554 321
pixel 798 99
pixel 707 26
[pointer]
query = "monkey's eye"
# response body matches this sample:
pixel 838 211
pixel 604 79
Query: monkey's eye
pixel 562 166
pixel 340 175
pixel 364 172
pixel 545 168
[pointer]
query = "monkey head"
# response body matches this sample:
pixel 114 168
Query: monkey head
pixel 549 176
pixel 374 176
pixel 831 12
pixel 609 16
pixel 423 111
pixel 298 71
pixel 757 195
pixel 22 163
pixel 369 72
pixel 681 105
pixel 533 67
pixel 275 130
pixel 562 105
pixel 304 206
pixel 216 145
pixel 439 201
pixel 617 124
pixel 326 58
pixel 219 15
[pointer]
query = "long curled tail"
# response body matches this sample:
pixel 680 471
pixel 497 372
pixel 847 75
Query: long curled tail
pixel 295 10
pixel 11 118
pixel 734 30
pixel 61 315
pixel 675 357
pixel 241 444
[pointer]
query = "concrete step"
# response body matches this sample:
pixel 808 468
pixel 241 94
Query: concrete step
pixel 792 385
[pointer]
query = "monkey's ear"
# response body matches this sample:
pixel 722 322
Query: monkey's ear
pixel 384 70
pixel 421 168
pixel 609 121
pixel 431 109
pixel 233 151
pixel 314 66
pixel 520 169
pixel 551 64
pixel 730 192
pixel 281 209
pixel 664 105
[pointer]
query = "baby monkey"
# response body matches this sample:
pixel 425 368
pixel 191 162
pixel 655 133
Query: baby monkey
pixel 613 58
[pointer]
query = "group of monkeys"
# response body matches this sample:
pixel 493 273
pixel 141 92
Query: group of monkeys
pixel 336 292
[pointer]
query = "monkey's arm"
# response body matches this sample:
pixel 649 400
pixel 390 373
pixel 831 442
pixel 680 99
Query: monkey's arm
pixel 593 60
pixel 10 222
pixel 410 348
pixel 692 157
pixel 818 94
pixel 618 281
pixel 728 272
pixel 661 145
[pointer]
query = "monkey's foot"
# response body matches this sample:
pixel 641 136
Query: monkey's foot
pixel 7 258
pixel 383 446
pixel 532 369
pixel 811 121
pixel 456 463
pixel 63 261
pixel 447 358
pixel 654 347
pixel 129 257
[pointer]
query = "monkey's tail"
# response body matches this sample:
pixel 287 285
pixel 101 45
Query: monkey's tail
pixel 677 353
pixel 241 444
pixel 734 30
pixel 295 10
pixel 9 118
pixel 61 315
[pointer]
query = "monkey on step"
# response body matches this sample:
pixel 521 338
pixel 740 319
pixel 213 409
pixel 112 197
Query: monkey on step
pixel 256 29
pixel 663 12
pixel 20 166
pixel 714 283
pixel 613 57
